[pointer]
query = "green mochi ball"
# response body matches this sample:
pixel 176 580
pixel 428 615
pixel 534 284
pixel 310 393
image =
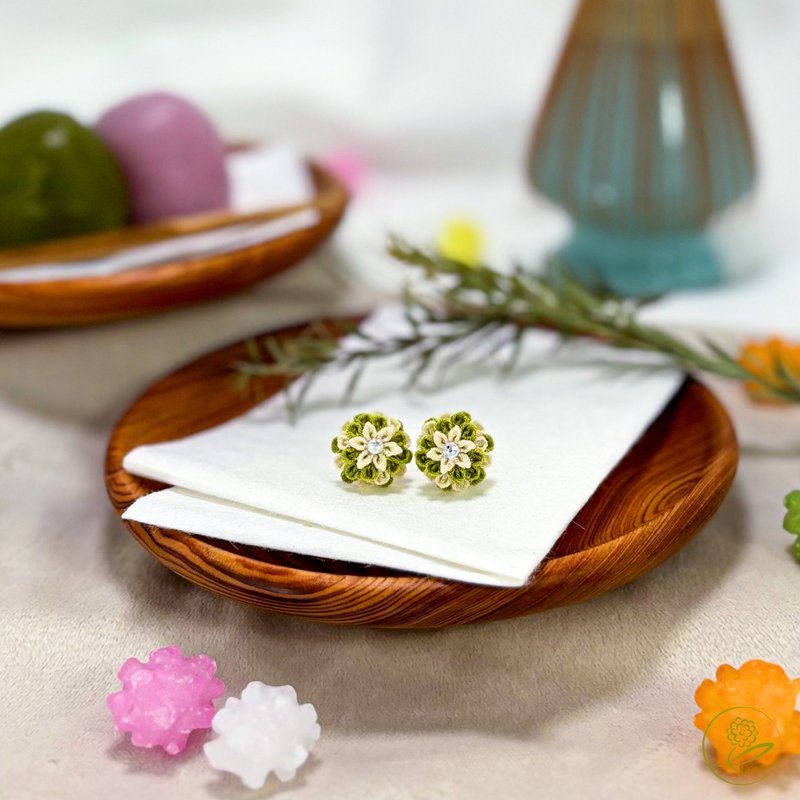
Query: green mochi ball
pixel 57 178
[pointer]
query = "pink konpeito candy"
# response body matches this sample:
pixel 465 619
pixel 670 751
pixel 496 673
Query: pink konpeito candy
pixel 349 167
pixel 164 700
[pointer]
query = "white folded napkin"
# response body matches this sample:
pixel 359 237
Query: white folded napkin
pixel 271 176
pixel 560 425
pixel 263 178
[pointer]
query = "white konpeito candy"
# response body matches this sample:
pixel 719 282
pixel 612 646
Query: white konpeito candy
pixel 266 731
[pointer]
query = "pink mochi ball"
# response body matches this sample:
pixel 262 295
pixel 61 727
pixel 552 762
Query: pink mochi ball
pixel 171 154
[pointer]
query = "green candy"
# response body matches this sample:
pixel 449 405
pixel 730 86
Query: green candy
pixel 57 178
pixel 791 522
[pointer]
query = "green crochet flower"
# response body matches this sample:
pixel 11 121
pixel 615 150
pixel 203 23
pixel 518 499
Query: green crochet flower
pixel 372 448
pixel 454 451
pixel 792 519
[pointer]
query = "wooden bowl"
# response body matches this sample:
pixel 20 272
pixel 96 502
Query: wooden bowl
pixel 655 500
pixel 146 290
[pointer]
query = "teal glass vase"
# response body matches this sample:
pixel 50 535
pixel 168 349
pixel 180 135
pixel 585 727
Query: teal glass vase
pixel 643 137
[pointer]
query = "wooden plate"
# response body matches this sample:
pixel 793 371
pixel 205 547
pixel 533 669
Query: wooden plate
pixel 656 499
pixel 135 292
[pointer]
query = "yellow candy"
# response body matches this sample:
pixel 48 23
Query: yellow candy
pixel 748 715
pixel 461 240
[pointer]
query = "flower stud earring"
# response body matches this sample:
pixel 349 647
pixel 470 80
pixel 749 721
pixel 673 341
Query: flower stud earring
pixel 372 448
pixel 454 451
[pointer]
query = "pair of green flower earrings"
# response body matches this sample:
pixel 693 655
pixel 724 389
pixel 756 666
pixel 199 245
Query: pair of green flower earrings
pixel 453 450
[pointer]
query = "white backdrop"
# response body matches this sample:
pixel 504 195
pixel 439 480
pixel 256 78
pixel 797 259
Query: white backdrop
pixel 406 81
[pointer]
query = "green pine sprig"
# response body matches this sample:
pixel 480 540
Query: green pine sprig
pixel 456 305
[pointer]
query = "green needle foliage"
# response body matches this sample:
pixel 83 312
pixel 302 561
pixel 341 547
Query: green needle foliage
pixel 455 305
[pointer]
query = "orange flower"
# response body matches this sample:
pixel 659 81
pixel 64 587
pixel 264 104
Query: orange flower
pixel 774 359
pixel 748 714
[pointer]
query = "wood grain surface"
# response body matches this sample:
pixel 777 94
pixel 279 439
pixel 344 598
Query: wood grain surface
pixel 146 290
pixel 655 500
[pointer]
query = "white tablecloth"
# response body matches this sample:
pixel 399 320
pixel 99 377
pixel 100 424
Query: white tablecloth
pixel 594 700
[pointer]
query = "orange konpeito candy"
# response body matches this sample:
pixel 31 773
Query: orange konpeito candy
pixel 748 714
pixel 775 360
